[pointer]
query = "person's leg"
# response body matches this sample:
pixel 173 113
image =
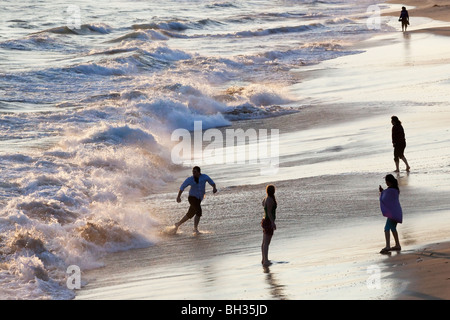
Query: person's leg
pixel 397 241
pixel 406 163
pixel 399 150
pixel 397 165
pixel 191 212
pixel 183 220
pixel 395 234
pixel 196 203
pixel 387 236
pixel 265 249
pixel 396 159
pixel 196 221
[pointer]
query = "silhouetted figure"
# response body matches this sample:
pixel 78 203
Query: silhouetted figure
pixel 196 193
pixel 268 223
pixel 399 143
pixel 404 18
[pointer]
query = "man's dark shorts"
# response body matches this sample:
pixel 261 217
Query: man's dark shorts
pixel 195 208
pixel 399 149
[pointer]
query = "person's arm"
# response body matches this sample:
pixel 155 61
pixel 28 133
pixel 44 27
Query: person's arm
pixel 179 196
pixel 182 187
pixel 393 136
pixel 212 184
pixel 269 204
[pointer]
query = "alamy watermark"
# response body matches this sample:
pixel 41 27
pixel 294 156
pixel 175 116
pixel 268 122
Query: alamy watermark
pixel 73 20
pixel 74 277
pixel 233 146
pixel 373 22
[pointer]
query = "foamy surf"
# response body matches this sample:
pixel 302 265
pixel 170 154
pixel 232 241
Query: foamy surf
pixel 169 231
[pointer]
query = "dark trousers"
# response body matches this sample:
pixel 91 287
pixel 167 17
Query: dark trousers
pixel 194 208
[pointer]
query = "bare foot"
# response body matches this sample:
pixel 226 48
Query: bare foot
pixel 385 250
pixel 267 263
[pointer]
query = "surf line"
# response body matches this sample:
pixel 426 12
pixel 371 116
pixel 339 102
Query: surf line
pixel 260 149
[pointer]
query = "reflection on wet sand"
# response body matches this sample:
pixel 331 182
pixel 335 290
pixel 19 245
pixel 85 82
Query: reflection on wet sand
pixel 276 289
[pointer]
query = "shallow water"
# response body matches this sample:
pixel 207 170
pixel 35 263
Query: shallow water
pixel 90 94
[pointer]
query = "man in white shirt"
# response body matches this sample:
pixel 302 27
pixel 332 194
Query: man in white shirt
pixel 197 183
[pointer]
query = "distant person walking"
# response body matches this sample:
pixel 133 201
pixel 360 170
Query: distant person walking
pixel 404 18
pixel 197 183
pixel 268 223
pixel 399 143
pixel 391 209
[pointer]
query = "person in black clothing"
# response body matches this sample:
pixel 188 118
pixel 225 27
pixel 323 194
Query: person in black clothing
pixel 404 18
pixel 399 143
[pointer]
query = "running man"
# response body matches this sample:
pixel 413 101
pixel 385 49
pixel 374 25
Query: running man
pixel 196 194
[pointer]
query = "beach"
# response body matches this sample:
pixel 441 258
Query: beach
pixel 90 181
pixel 330 229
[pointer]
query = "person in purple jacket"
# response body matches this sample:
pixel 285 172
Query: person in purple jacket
pixel 197 183
pixel 392 210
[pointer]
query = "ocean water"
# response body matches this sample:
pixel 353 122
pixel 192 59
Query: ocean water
pixel 91 92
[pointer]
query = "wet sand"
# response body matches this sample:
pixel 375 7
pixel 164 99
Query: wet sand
pixel 425 271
